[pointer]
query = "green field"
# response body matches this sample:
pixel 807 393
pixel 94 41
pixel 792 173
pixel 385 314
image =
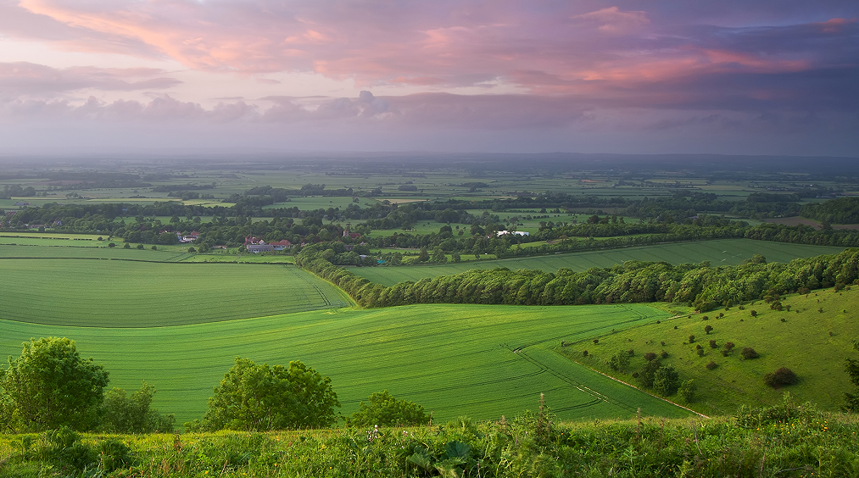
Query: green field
pixel 812 343
pixel 73 251
pixel 718 252
pixel 111 293
pixel 479 361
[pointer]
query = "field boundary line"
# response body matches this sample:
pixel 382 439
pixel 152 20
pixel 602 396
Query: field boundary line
pixel 640 390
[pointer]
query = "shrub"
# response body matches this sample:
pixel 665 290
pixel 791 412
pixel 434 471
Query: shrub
pixel 111 245
pixel 662 343
pixel 729 346
pixel 698 347
pixel 687 390
pixel 742 307
pixel 725 353
pixel 705 318
pixel 631 352
pixel 749 353
pixel 708 329
pixel 711 365
pixel 700 352
pixel 191 249
pixel 619 361
pixel 385 410
pixel 140 246
pixel 804 290
pixel 721 315
pixel 154 248
pixel 781 377
pixel 126 246
pixel 664 354
pixel 649 356
pixel 713 344
pixel 666 380
pixel 754 313
pixel 596 341
pixel 691 339
pixel 585 353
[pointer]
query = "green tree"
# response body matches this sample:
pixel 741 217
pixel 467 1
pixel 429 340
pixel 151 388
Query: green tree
pixel 259 397
pixel 666 380
pixel 50 386
pixel 687 391
pixel 385 410
pixel 852 399
pixel 423 255
pixel 438 256
pixel 132 414
pixel 619 361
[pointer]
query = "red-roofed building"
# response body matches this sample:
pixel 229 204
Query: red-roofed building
pixel 281 245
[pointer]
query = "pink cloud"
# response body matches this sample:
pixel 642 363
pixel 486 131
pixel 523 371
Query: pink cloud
pixel 30 78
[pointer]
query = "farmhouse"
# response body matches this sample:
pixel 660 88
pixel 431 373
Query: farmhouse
pixel 260 247
pixel 281 245
pixel 515 233
pixel 190 237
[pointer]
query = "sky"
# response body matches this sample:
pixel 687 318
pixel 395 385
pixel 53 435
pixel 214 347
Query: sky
pixel 592 76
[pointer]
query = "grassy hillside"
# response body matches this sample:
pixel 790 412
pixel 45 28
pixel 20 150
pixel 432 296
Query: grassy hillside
pixel 813 344
pixel 718 252
pixel 99 293
pixel 480 361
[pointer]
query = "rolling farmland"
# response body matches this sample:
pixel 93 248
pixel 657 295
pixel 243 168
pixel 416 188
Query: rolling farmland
pixel 112 293
pixel 718 252
pixel 479 361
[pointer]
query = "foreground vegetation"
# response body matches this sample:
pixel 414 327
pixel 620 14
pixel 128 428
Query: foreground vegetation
pixel 789 439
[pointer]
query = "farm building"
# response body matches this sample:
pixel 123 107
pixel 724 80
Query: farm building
pixel 515 233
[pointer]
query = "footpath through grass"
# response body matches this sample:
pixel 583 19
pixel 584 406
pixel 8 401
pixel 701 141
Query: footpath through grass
pixel 812 338
pixel 480 361
pixel 110 293
pixel 719 252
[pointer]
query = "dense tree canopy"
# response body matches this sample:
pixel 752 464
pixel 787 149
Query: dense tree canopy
pixel 259 397
pixel 50 386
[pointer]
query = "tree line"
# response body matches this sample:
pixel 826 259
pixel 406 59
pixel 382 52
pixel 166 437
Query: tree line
pixel 699 285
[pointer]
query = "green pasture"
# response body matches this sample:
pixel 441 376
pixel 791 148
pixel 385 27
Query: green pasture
pixel 245 258
pixel 718 252
pixel 811 343
pixel 9 251
pixel 479 361
pixel 111 293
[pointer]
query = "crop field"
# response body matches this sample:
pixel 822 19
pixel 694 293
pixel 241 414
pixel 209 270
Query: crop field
pixel 812 339
pixel 479 361
pixel 8 251
pixel 718 252
pixel 111 293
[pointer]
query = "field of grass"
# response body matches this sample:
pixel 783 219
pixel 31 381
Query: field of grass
pixel 73 251
pixel 110 293
pixel 813 344
pixel 479 361
pixel 718 252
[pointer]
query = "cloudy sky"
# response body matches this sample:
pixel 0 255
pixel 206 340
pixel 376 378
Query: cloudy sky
pixel 624 76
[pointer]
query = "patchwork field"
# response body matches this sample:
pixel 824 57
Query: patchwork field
pixel 479 361
pixel 110 293
pixel 718 252
pixel 812 339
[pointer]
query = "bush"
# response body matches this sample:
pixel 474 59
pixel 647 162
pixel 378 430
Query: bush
pixel 259 397
pixel 649 356
pixel 749 353
pixel 729 346
pixel 711 365
pixel 700 352
pixel 51 386
pixel 126 246
pixel 140 246
pixel 596 341
pixel 585 353
pixel 691 339
pixel 384 410
pixel 754 313
pixel 664 354
pixel 713 344
pixel 687 391
pixel 705 318
pixel 666 380
pixel 781 377
pixel 708 329
pixel 662 343
pixel 132 414
pixel 619 361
